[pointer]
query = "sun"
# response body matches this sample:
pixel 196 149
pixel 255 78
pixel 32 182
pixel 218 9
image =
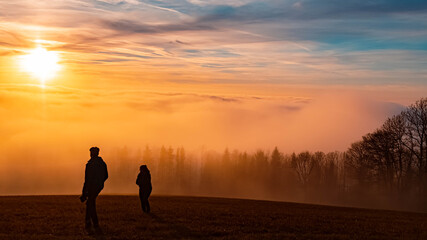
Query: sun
pixel 41 64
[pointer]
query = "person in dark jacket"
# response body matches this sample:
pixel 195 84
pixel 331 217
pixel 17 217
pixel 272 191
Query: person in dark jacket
pixel 95 175
pixel 144 182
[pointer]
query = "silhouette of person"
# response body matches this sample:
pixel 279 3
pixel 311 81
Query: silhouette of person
pixel 144 182
pixel 95 175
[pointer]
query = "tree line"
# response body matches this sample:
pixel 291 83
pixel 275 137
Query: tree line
pixel 386 168
pixel 392 160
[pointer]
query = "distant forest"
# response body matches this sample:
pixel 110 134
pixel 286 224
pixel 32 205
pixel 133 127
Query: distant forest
pixel 386 168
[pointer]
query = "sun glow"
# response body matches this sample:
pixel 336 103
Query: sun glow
pixel 41 63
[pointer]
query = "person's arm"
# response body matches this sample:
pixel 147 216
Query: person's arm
pixel 84 190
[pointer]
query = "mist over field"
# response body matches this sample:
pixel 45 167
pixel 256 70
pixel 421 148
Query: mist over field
pixel 48 132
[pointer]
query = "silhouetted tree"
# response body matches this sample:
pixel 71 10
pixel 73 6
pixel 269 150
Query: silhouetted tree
pixel 147 156
pixel 330 172
pixel 402 156
pixel 180 168
pixel 276 172
pixel 303 165
pixel 416 138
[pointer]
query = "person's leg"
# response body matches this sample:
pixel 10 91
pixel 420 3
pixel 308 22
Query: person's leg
pixel 141 199
pixel 93 214
pixel 147 204
pixel 145 200
pixel 88 222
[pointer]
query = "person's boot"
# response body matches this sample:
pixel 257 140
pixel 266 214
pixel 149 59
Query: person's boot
pixel 98 230
pixel 88 228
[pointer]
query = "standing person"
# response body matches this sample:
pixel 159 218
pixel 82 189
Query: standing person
pixel 95 175
pixel 144 182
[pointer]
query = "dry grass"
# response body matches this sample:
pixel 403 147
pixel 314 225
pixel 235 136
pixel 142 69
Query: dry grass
pixel 61 217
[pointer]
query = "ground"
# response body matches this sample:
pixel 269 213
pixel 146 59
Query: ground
pixel 62 217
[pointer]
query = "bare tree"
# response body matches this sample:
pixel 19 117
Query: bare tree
pixel 402 157
pixel 416 137
pixel 358 163
pixel 303 165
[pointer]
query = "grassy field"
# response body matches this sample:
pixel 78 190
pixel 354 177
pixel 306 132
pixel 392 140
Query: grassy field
pixel 61 217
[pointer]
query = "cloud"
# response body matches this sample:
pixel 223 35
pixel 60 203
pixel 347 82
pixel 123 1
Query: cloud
pixel 127 26
pixel 120 1
pixel 130 55
pixel 311 9
pixel 299 42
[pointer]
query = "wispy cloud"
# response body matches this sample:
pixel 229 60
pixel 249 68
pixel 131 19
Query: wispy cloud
pixel 327 42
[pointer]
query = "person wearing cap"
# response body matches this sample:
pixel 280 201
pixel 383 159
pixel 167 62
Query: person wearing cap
pixel 95 175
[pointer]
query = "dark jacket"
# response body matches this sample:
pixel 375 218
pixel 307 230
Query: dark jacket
pixel 95 175
pixel 144 180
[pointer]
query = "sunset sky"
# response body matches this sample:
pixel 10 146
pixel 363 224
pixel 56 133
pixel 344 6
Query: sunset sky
pixel 300 75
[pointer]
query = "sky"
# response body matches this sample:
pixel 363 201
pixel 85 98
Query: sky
pixel 323 43
pixel 300 75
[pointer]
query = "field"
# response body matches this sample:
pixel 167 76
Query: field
pixel 61 217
